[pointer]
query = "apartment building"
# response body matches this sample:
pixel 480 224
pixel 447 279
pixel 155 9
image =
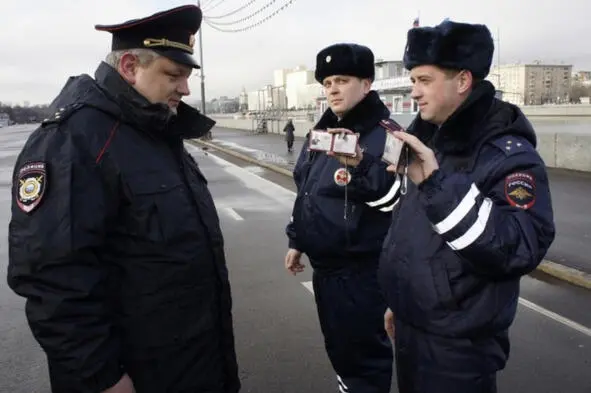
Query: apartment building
pixel 533 84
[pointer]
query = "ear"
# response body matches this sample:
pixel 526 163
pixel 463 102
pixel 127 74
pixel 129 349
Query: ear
pixel 465 79
pixel 366 85
pixel 128 66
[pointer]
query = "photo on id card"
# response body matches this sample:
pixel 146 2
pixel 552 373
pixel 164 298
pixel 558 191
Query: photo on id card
pixel 320 141
pixel 345 144
pixel 392 149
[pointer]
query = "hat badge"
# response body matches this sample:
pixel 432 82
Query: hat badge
pixel 328 58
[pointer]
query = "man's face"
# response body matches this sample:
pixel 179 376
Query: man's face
pixel 438 92
pixel 344 92
pixel 163 81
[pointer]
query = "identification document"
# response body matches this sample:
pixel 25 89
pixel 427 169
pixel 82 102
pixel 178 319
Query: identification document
pixel 393 146
pixel 338 143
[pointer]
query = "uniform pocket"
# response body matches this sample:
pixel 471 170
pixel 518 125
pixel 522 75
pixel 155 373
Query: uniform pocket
pixel 327 231
pixel 442 284
pixel 154 205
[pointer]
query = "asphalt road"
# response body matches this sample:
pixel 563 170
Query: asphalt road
pixel 278 339
pixel 570 190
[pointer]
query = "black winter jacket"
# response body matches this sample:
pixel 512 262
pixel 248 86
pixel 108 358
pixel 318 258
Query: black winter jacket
pixel 115 242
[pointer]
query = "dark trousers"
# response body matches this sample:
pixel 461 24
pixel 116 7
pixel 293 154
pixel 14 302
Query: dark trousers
pixel 351 312
pixel 426 363
pixel 289 145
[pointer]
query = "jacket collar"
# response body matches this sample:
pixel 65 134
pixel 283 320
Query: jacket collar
pixel 364 117
pixel 155 119
pixel 464 129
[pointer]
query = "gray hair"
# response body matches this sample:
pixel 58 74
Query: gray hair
pixel 145 56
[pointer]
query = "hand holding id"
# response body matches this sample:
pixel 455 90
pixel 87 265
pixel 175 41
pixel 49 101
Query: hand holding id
pixel 346 147
pixel 424 163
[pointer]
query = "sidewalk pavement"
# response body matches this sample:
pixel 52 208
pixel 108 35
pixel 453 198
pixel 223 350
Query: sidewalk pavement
pixel 570 251
pixel 267 148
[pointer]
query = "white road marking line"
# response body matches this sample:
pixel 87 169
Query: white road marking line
pixel 556 317
pixel 233 214
pixel 308 286
pixel 532 306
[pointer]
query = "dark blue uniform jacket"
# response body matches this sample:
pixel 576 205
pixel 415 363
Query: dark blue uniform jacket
pixel 318 226
pixel 461 240
pixel 122 262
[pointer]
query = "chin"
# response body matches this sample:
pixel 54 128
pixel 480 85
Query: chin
pixel 426 116
pixel 338 110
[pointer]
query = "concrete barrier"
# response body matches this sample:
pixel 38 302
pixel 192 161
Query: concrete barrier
pixel 567 150
pixel 579 110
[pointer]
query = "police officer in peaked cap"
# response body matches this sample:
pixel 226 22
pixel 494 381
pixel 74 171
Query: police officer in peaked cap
pixel 340 218
pixel 114 239
pixel 476 218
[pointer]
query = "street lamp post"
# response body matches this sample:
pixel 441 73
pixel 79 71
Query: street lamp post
pixel 208 136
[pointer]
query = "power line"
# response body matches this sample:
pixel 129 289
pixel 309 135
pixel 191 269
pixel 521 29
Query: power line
pixel 263 8
pixel 214 6
pixel 206 3
pixel 232 12
pixel 256 24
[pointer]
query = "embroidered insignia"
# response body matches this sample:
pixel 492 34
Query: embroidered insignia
pixel 342 177
pixel 520 190
pixel 32 182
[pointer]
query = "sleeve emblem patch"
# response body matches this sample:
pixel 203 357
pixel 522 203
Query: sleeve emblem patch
pixel 520 190
pixel 32 182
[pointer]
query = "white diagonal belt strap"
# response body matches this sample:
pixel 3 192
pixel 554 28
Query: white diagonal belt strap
pixel 389 196
pixel 459 212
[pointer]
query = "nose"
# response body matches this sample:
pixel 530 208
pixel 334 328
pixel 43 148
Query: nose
pixel 415 93
pixel 183 88
pixel 331 90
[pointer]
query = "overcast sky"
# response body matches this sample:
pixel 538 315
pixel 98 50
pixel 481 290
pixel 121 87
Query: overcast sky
pixel 43 42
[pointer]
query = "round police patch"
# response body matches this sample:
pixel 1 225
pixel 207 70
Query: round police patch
pixel 520 190
pixel 342 177
pixel 32 182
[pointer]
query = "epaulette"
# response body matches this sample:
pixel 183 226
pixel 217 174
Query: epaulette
pixel 62 114
pixel 391 125
pixel 512 144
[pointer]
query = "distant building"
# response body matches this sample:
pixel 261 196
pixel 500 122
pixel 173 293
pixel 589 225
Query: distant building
pixel 582 77
pixel 225 105
pixel 267 98
pixel 533 84
pixel 243 101
pixel 4 120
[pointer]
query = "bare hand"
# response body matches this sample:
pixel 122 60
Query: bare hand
pixel 293 261
pixel 125 385
pixel 346 160
pixel 424 164
pixel 389 323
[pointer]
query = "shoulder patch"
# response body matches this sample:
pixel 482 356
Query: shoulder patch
pixel 62 114
pixel 391 125
pixel 510 144
pixel 520 189
pixel 32 183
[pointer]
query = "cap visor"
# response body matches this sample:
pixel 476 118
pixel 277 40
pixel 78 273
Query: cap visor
pixel 179 57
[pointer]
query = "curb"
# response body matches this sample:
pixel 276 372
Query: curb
pixel 556 270
pixel 565 273
pixel 244 157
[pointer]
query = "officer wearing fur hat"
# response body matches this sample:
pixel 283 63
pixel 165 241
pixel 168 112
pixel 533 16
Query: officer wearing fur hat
pixel 477 217
pixel 114 238
pixel 340 217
